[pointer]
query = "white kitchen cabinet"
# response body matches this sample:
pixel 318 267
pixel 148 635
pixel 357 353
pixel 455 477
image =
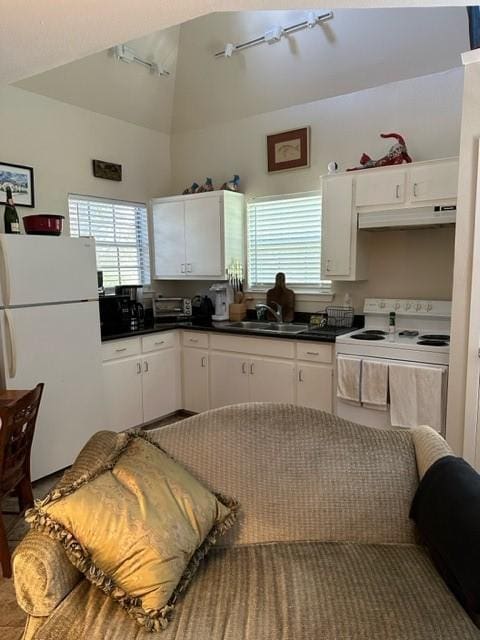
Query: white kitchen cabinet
pixel 343 250
pixel 228 379
pixel 122 391
pixel 271 380
pixel 195 380
pixel 141 379
pixel 161 384
pixel 435 181
pixel 380 187
pixel 314 386
pixel 197 236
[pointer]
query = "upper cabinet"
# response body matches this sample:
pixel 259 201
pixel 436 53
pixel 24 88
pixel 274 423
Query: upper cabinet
pixel 396 187
pixel 196 237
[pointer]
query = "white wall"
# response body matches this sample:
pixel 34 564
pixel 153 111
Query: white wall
pixel 426 110
pixel 60 141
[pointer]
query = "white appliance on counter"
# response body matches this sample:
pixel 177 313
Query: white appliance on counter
pixel 420 345
pixel 50 332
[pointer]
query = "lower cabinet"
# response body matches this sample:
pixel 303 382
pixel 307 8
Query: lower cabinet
pixel 122 384
pixel 241 378
pixel 195 380
pixel 314 386
pixel 141 380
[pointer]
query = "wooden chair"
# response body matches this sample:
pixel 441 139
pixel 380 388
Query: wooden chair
pixel 16 434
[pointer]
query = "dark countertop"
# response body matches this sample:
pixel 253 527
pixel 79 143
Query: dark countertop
pixel 216 327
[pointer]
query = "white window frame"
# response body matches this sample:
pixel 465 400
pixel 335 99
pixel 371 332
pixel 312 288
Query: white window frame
pixel 305 291
pixel 142 234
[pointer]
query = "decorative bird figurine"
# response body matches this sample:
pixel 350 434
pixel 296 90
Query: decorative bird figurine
pixel 206 186
pixel 232 185
pixel 192 189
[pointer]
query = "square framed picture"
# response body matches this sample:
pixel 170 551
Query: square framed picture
pixel 288 150
pixel 20 179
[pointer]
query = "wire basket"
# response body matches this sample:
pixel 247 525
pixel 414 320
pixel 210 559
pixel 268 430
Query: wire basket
pixel 340 316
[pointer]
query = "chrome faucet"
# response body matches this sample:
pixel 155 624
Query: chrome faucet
pixel 278 313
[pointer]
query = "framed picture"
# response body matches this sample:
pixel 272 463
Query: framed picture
pixel 20 180
pixel 107 170
pixel 288 150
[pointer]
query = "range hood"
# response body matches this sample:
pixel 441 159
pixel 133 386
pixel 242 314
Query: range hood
pixel 408 218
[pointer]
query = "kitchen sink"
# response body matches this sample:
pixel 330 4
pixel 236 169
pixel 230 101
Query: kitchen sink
pixel 268 327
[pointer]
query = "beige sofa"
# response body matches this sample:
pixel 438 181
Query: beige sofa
pixel 323 550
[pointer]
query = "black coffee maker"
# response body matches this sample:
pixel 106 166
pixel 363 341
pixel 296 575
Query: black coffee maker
pixel 136 310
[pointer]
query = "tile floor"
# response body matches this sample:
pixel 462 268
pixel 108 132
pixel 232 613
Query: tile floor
pixel 12 618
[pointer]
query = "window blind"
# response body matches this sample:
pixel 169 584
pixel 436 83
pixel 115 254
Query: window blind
pixel 285 234
pixel 120 230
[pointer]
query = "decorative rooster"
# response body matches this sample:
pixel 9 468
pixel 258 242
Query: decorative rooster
pixel 231 185
pixel 397 154
pixel 206 186
pixel 192 189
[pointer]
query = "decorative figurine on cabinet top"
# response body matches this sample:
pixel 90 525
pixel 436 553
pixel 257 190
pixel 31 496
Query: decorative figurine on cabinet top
pixel 192 189
pixel 231 185
pixel 206 186
pixel 397 154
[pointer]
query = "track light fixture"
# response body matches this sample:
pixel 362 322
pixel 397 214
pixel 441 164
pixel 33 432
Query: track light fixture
pixel 275 34
pixel 126 54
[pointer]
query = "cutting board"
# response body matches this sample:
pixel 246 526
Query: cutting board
pixel 282 296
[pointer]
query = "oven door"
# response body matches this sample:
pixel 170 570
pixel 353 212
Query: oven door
pixel 381 419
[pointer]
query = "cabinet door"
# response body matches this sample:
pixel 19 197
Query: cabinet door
pixel 337 227
pixel 434 181
pixel 122 390
pixel 203 237
pixel 161 384
pixel 228 379
pixel 169 239
pixel 314 386
pixel 375 188
pixel 195 380
pixel 271 380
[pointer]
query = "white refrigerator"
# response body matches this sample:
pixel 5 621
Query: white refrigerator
pixel 50 332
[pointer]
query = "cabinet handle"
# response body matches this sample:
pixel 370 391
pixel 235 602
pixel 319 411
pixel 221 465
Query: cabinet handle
pixel 159 343
pixel 193 339
pixel 415 185
pixel 300 375
pixel 204 362
pixel 244 367
pixel 312 353
pixel 145 366
pixel 139 368
pixel 120 350
pixel 397 191
pixel 328 265
pixel 182 268
pixel 252 370
pixel 189 267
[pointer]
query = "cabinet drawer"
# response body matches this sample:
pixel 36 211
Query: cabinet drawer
pixel 195 339
pixel 158 341
pixel 115 349
pixel 255 346
pixel 314 351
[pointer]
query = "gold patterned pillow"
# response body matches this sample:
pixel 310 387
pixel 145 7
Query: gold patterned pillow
pixel 137 526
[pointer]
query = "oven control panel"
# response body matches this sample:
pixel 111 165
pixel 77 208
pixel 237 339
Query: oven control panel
pixel 384 306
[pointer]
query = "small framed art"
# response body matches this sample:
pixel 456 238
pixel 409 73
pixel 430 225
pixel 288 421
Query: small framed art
pixel 20 179
pixel 288 150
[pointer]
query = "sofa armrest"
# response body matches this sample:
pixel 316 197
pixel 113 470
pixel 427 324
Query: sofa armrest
pixel 430 446
pixel 42 573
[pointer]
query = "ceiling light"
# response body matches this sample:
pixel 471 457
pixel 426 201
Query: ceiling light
pixel 126 54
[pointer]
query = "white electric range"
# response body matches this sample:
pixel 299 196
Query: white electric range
pixel 421 337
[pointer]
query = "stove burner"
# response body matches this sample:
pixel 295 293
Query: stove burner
pixel 435 336
pixel 407 333
pixel 433 343
pixel 368 336
pixel 374 332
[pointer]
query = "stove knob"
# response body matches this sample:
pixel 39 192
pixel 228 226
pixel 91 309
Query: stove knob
pixel 382 305
pixel 396 306
pixel 408 306
pixel 429 307
pixel 418 307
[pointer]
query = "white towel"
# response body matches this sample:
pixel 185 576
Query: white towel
pixel 417 395
pixel 374 385
pixel 348 379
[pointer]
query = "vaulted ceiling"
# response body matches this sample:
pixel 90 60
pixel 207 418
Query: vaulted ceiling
pixel 357 49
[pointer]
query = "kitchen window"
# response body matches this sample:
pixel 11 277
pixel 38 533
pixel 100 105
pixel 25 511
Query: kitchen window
pixel 284 233
pixel 120 230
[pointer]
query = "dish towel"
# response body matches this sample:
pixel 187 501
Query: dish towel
pixel 348 379
pixel 374 385
pixel 417 395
